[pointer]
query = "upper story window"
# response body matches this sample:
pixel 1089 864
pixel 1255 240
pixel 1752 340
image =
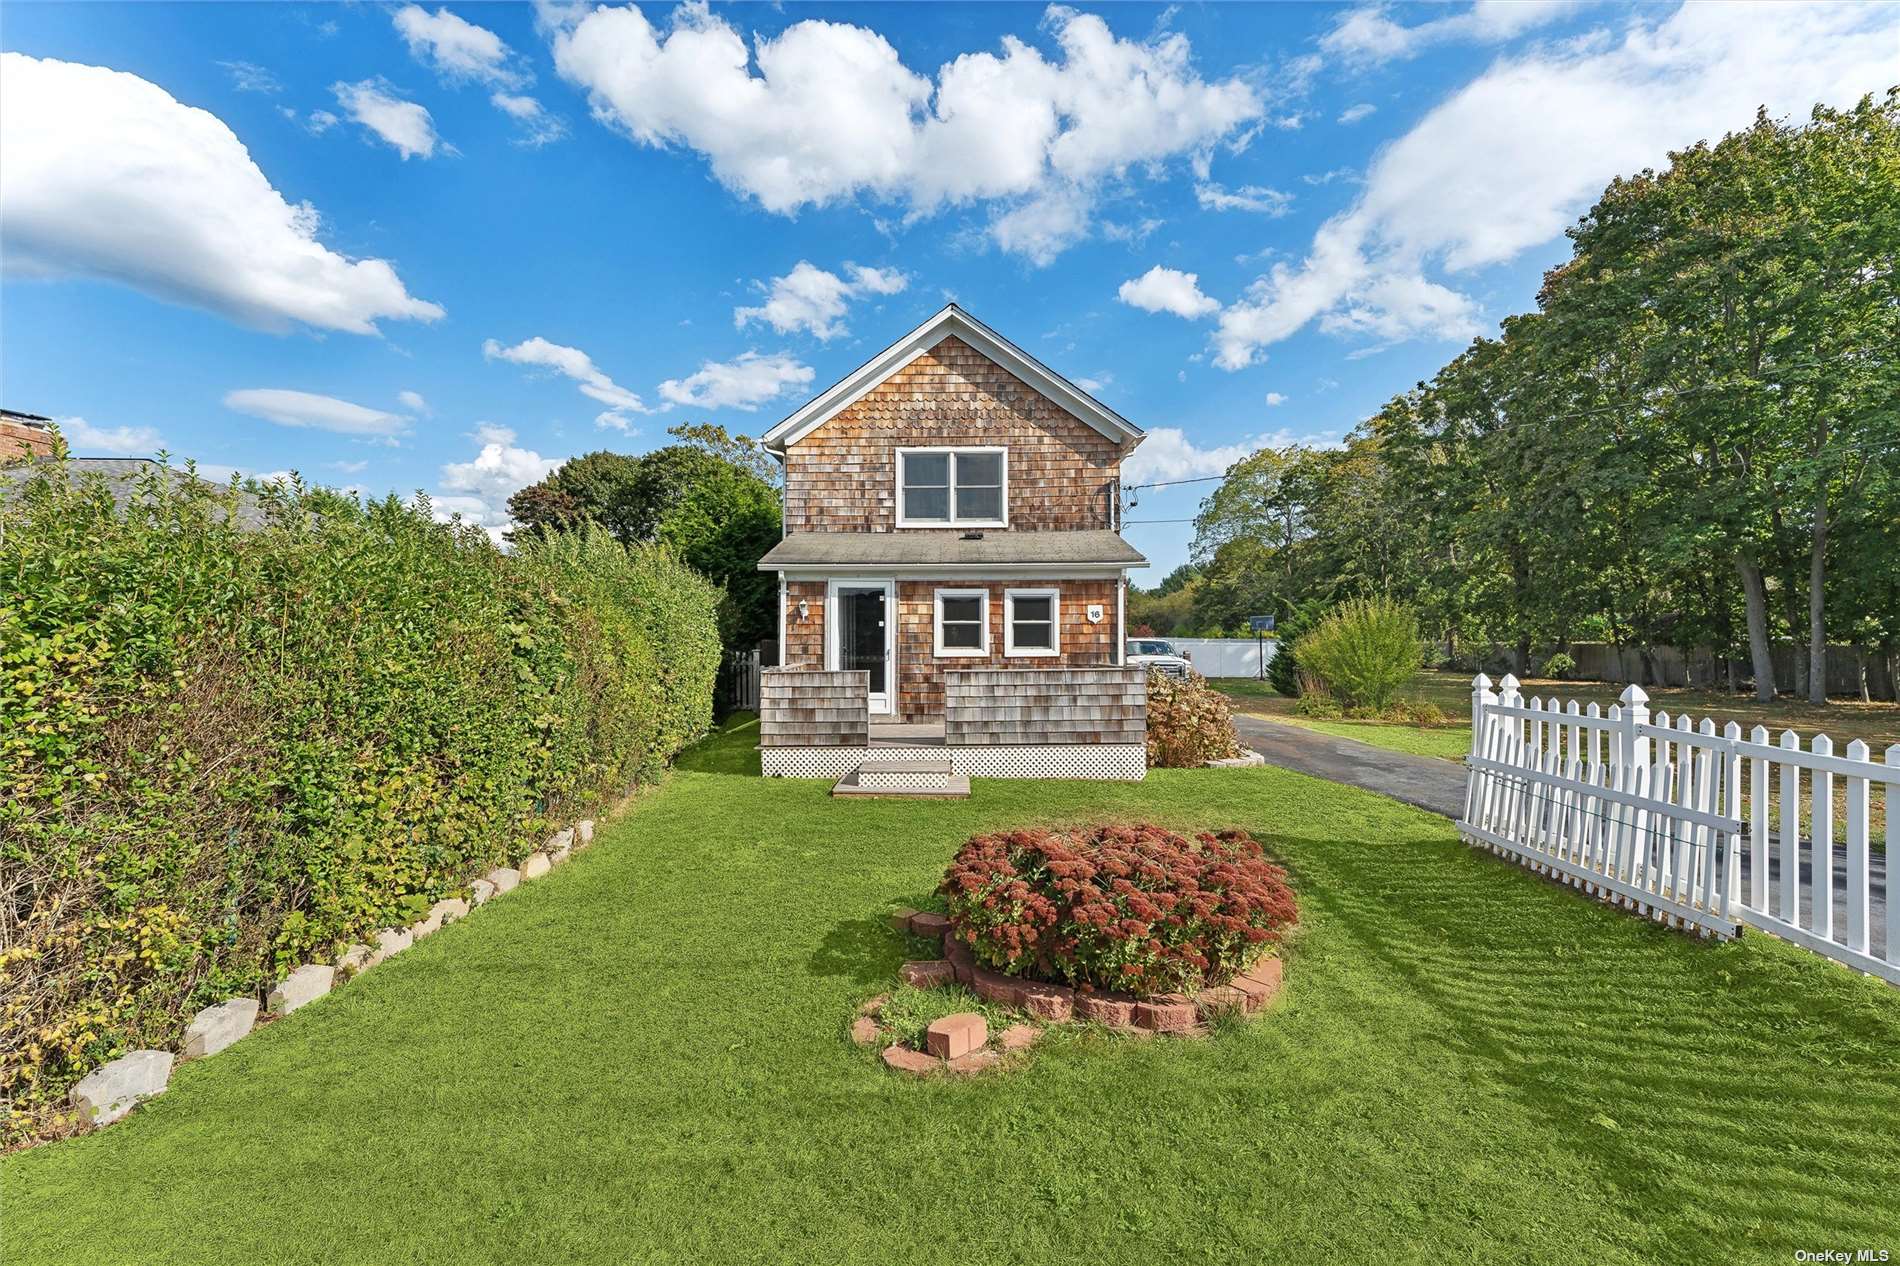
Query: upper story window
pixel 952 487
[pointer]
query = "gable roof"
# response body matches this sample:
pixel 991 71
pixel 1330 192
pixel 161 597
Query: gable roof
pixel 952 320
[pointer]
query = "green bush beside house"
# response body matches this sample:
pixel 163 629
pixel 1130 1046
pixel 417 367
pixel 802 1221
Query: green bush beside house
pixel 227 747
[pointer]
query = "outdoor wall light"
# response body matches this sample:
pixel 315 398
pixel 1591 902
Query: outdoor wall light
pixel 804 608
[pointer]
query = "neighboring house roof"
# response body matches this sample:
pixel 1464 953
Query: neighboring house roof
pixel 952 320
pixel 123 477
pixel 14 415
pixel 835 550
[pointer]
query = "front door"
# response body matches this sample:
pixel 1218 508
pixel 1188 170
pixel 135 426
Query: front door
pixel 863 639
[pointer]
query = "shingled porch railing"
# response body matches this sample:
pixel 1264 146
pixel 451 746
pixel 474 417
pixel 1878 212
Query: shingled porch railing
pixel 1076 722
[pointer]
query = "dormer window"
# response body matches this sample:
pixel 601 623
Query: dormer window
pixel 952 487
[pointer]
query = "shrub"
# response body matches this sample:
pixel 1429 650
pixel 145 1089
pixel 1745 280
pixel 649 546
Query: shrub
pixel 1131 908
pixel 230 746
pixel 1189 722
pixel 1424 713
pixel 1560 666
pixel 1367 650
pixel 1283 670
pixel 1316 699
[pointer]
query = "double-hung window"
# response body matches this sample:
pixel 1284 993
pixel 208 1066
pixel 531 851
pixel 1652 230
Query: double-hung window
pixel 1031 622
pixel 963 622
pixel 952 487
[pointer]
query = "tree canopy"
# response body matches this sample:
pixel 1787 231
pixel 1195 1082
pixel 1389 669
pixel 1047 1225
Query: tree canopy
pixel 1693 441
pixel 710 497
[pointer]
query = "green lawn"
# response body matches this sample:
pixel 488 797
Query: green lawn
pixel 643 1058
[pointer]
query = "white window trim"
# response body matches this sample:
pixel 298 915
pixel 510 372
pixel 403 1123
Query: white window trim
pixel 1055 623
pixel 952 521
pixel 959 652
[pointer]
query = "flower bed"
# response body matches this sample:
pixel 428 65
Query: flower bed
pixel 1125 909
pixel 951 1015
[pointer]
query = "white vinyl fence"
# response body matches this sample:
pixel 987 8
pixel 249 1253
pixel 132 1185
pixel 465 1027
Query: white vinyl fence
pixel 1225 656
pixel 1683 823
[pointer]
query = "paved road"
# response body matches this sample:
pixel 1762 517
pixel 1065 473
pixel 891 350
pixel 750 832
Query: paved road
pixel 1438 786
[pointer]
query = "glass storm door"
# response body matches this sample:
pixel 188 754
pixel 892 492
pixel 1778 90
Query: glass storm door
pixel 864 637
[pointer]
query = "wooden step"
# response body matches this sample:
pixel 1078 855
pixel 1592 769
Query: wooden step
pixel 951 786
pixel 931 771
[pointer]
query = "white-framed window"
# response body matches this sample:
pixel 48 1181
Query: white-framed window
pixel 963 622
pixel 1032 620
pixel 952 487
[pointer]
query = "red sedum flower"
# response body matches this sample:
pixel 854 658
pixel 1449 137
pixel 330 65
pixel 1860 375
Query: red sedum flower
pixel 1129 908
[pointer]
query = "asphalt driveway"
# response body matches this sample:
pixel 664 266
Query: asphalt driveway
pixel 1438 786
pixel 1425 781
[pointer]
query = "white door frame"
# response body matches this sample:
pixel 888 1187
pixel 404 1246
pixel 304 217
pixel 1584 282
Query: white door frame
pixel 884 704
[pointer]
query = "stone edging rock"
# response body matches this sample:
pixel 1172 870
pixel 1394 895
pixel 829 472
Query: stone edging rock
pixel 1247 759
pixel 1173 1013
pixel 111 1090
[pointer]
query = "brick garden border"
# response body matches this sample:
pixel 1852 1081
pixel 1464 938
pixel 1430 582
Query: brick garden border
pixel 113 1089
pixel 1179 1014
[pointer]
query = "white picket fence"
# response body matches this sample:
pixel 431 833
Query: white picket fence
pixel 1676 821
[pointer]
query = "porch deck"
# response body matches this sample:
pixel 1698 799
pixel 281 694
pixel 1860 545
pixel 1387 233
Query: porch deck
pixel 907 733
pixel 1086 722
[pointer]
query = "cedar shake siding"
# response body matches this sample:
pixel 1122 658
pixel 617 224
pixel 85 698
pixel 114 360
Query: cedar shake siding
pixel 843 476
pixel 953 383
pixel 920 672
pixel 804 639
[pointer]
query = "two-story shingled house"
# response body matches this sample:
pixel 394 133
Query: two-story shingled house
pixel 951 513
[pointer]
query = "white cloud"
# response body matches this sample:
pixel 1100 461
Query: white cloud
pixel 479 489
pixel 318 122
pixel 1367 35
pixel 1045 225
pixel 250 77
pixel 1167 453
pixel 1135 234
pixel 461 52
pixel 85 439
pixel 1507 162
pixel 537 352
pixel 308 409
pixel 1275 399
pixel 350 468
pixel 744 383
pixel 809 298
pixel 457 49
pixel 833 113
pixel 108 176
pixel 404 124
pixel 538 127
pixel 413 401
pixel 1352 114
pixel 1167 290
pixel 1270 202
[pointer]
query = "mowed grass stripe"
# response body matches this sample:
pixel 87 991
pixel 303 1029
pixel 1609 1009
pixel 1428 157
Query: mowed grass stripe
pixel 643 1058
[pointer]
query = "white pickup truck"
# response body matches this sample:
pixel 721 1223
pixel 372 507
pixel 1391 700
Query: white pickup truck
pixel 1159 656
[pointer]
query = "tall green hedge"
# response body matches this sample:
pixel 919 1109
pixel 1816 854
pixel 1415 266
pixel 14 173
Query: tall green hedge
pixel 226 748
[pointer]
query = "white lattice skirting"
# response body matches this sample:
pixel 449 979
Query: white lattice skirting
pixel 1123 762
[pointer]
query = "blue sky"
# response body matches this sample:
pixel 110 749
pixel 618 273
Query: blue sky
pixel 425 248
